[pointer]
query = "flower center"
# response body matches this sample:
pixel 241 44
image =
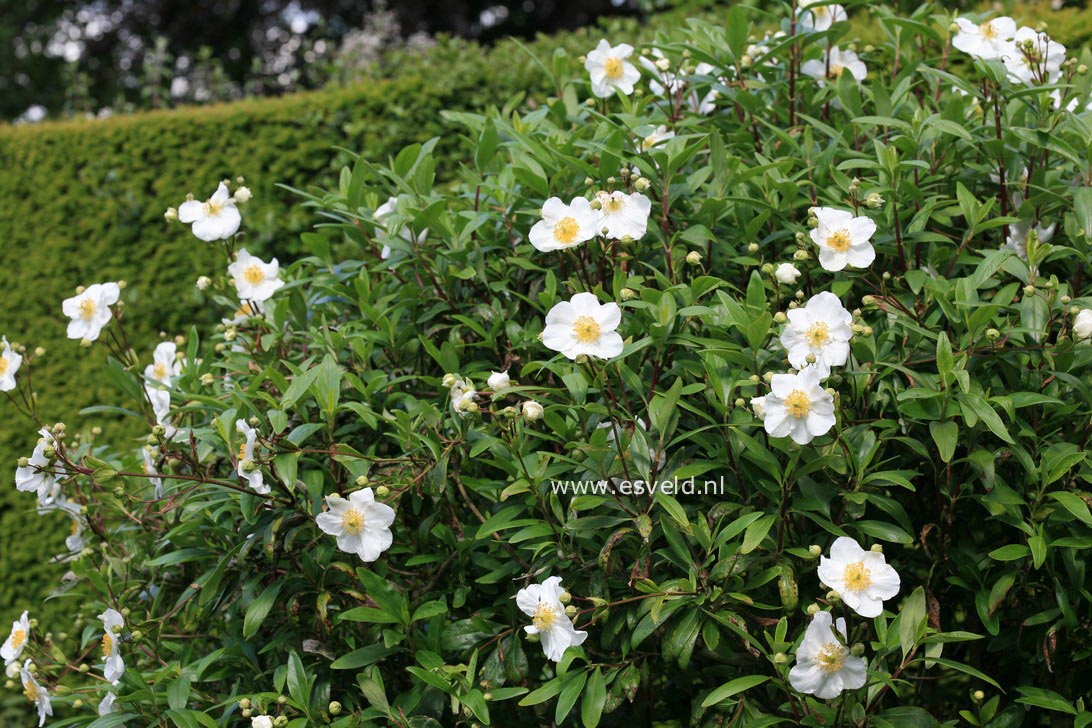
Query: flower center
pixel 614 204
pixel 836 70
pixel 840 241
pixel 613 68
pixel 31 691
pixel 212 209
pixel 798 404
pixel 545 616
pixel 3 365
pixel 18 638
pixel 160 371
pixel 566 230
pixel 831 657
pixel 988 31
pixel 857 576
pixel 352 521
pixel 87 309
pixel 75 527
pixel 107 644
pixel 254 274
pixel 586 330
pixel 241 457
pixel 818 334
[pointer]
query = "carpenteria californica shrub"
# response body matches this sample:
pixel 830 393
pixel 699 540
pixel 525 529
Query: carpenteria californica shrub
pixel 744 382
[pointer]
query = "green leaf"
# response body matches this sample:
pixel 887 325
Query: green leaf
pixel 945 435
pixel 734 687
pixel 259 609
pixel 595 697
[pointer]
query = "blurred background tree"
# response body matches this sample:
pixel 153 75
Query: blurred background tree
pixel 119 55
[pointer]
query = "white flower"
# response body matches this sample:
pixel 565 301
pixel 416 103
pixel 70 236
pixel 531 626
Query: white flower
pixel 245 466
pixel 658 135
pixel 786 273
pixel 834 64
pixel 35 476
pixel 815 17
pixel 36 694
pixel 1033 58
pixel 10 361
pixel 843 239
pixel 1017 238
pixel 821 328
pixel 75 541
pixel 160 399
pixel 563 226
pixel 463 395
pixel 361 525
pixel 991 40
pixel 148 466
pixel 16 642
pixel 106 705
pixel 215 219
pixel 165 365
pixel 112 624
pixel 622 215
pixel 582 325
pixel 203 282
pixel 242 194
pixel 255 280
pixel 863 579
pixel 758 406
pixel 1082 324
pixel 245 312
pixel 542 603
pixel 90 310
pixel 386 210
pixel 824 665
pixel 666 83
pixel 261 721
pixel 532 410
pixel 610 70
pixel 499 380
pixel 1073 104
pixel 798 407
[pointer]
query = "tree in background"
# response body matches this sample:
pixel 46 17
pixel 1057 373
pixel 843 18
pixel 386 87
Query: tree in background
pixel 124 54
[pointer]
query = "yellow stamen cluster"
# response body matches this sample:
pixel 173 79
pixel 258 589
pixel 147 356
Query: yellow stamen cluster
pixel 3 365
pixel 566 230
pixel 857 576
pixel 545 616
pixel 798 404
pixel 18 638
pixel 107 644
pixel 840 241
pixel 352 522
pixel 613 204
pixel 254 274
pixel 212 209
pixel 87 309
pixel 613 68
pixel 31 691
pixel 831 657
pixel 586 330
pixel 817 335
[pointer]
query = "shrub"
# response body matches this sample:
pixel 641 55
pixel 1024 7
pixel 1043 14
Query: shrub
pixel 359 515
pixel 85 198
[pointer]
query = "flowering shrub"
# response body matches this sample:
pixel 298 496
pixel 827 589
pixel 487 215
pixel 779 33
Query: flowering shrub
pixel 784 417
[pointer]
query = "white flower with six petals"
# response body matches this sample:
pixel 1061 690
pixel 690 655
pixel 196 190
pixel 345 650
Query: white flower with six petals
pixel 582 325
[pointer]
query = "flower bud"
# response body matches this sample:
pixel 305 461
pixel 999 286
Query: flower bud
pixel 382 491
pixel 877 548
pixel 564 597
pixel 993 334
pixel 814 609
pixel 628 294
pixel 641 184
pixel 801 255
pixel 242 194
pixel 874 200
pixel 171 214
pixel 833 597
pixel 334 708
pixel 532 411
pixel 570 611
pixel 693 257
pixel 780 658
pixel 857 649
pixel 752 247
pixel 815 550
pixel 40 350
pixel 203 282
pixel 978 696
pixel 449 380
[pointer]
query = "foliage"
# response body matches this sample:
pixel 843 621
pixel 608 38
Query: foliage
pixel 960 445
pixel 85 198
